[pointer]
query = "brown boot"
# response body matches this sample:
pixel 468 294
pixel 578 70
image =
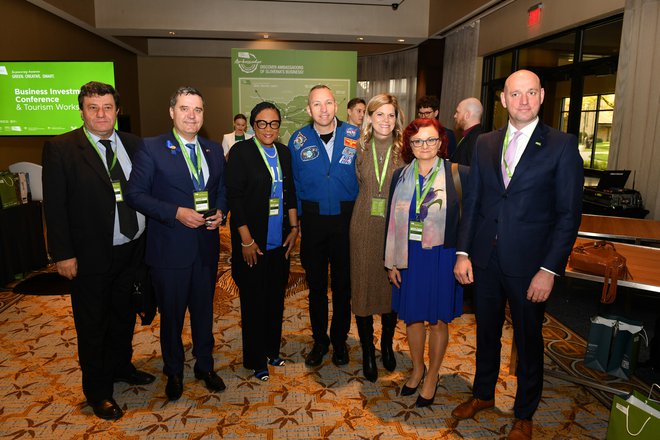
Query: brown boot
pixel 469 408
pixel 521 430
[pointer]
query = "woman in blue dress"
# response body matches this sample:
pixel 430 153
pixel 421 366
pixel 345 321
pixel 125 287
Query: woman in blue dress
pixel 422 226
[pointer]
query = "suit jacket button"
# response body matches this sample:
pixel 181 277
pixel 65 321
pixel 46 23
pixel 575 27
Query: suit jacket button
pixel 504 196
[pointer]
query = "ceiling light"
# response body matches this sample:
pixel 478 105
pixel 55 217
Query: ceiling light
pixel 172 33
pixel 401 40
pixel 266 36
pixel 360 38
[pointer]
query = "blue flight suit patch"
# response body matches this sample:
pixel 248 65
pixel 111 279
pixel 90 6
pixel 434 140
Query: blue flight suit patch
pixel 309 153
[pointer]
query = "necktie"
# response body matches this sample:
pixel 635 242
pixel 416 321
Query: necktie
pixel 509 157
pixel 199 185
pixel 128 224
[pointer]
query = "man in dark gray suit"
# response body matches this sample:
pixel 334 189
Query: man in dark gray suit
pixel 96 241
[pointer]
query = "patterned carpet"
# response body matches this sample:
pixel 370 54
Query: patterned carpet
pixel 40 390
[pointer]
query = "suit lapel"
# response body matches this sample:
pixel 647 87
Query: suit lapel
pixel 496 157
pixel 534 147
pixel 210 161
pixel 91 157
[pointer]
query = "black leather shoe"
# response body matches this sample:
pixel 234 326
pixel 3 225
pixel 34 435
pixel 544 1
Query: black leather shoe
pixel 137 377
pixel 174 387
pixel 423 401
pixel 369 368
pixel 340 355
pixel 212 380
pixel 107 409
pixel 315 357
pixel 409 391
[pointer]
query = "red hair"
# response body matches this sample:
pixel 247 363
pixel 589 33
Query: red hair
pixel 413 128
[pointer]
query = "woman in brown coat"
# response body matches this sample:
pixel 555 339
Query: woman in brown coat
pixel 371 293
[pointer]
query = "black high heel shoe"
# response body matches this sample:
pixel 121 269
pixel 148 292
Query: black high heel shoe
pixel 408 391
pixel 423 401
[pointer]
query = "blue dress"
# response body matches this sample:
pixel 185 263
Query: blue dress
pixel 429 291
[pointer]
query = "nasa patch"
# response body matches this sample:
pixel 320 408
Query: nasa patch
pixel 309 153
pixel 299 141
pixel 351 131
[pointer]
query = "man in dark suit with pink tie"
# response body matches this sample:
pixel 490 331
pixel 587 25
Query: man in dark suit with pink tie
pixel 178 183
pixel 522 211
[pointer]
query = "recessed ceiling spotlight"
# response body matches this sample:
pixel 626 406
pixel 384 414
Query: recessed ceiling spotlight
pixel 401 40
pixel 360 38
pixel 266 36
pixel 172 33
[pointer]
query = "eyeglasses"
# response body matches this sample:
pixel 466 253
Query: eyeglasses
pixel 263 124
pixel 425 114
pixel 418 143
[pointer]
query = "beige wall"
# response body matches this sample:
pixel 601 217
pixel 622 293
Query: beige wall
pixel 507 27
pixel 160 76
pixel 29 33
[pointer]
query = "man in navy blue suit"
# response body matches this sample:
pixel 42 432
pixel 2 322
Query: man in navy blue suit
pixel 522 211
pixel 178 183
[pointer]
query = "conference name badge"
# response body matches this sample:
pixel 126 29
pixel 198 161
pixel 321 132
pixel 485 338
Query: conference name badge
pixel 116 187
pixel 201 201
pixel 274 206
pixel 378 207
pixel 415 231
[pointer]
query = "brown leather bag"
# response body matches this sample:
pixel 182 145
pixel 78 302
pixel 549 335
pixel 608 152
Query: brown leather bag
pixel 601 258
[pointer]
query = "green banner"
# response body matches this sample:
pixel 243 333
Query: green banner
pixel 284 77
pixel 41 98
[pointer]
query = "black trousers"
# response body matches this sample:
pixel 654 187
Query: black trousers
pixel 261 288
pixel 105 320
pixel 177 290
pixel 325 241
pixel 492 290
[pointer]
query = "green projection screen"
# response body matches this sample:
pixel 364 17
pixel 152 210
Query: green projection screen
pixel 40 98
pixel 284 78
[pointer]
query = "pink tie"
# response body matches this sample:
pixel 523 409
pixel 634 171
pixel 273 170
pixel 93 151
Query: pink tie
pixel 509 157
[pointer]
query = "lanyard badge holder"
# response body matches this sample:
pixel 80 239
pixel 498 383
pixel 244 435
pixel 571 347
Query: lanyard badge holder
pixel 378 204
pixel 273 202
pixel 416 228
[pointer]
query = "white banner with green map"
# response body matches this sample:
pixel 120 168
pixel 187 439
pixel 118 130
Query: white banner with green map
pixel 284 77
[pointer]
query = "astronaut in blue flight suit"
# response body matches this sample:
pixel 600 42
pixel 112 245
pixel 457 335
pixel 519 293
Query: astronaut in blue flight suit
pixel 323 156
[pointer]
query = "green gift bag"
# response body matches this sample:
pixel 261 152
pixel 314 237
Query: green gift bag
pixel 8 189
pixel 634 417
pixel 625 348
pixel 599 342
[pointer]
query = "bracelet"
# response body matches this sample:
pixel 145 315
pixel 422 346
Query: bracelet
pixel 249 244
pixel 294 226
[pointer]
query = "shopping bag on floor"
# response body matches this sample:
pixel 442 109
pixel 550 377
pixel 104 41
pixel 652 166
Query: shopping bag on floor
pixel 625 348
pixel 599 343
pixel 634 417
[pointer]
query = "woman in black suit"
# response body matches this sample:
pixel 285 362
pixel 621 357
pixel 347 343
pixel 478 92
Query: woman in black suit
pixel 264 230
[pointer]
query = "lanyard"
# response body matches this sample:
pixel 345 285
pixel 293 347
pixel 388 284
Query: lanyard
pixel 429 183
pixel 270 170
pixel 96 148
pixel 196 171
pixel 380 176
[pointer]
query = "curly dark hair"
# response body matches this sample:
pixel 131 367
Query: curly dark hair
pixel 95 88
pixel 263 106
pixel 413 128
pixel 430 101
